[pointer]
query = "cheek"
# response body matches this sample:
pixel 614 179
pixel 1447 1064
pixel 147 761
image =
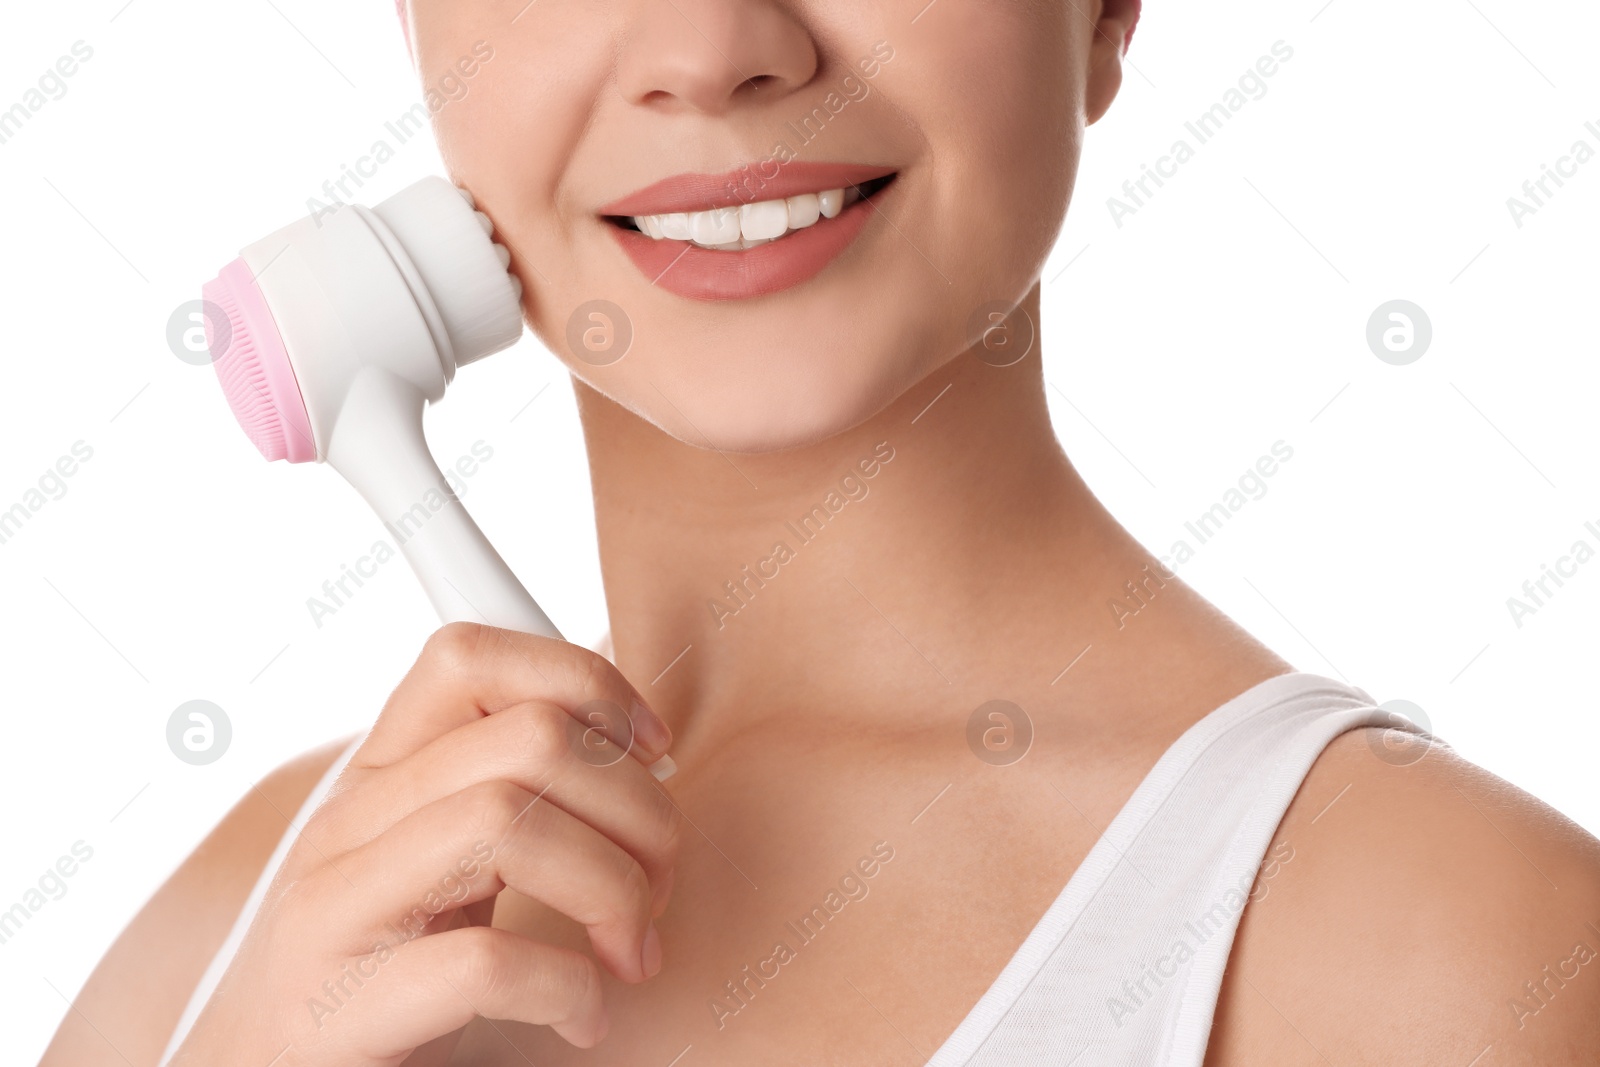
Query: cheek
pixel 509 140
pixel 1000 107
pixel 984 204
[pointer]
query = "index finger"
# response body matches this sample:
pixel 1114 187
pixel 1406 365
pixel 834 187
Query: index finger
pixel 467 671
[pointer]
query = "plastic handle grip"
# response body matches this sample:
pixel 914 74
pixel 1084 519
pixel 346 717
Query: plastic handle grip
pixel 379 447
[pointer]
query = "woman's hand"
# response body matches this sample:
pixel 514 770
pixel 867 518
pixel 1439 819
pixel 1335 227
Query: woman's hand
pixel 501 760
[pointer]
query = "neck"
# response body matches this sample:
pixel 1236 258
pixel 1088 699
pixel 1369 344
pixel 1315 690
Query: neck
pixel 944 549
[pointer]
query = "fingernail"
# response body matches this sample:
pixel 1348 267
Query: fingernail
pixel 651 956
pixel 652 733
pixel 663 768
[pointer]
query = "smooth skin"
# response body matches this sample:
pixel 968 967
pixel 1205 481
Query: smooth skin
pixel 826 717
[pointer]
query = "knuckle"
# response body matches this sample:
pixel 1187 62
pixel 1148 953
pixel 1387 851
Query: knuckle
pixel 295 898
pixel 301 899
pixel 587 670
pixel 637 884
pixel 538 734
pixel 493 806
pixel 665 828
pixel 670 822
pixel 303 856
pixel 483 963
pixel 328 820
pixel 633 893
pixel 572 979
pixel 451 647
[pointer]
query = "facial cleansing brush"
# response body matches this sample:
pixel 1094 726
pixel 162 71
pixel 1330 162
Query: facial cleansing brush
pixel 341 328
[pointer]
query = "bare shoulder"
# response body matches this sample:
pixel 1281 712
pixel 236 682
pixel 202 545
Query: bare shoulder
pixel 133 999
pixel 1416 909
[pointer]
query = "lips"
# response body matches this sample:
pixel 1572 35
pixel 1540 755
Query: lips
pixel 746 185
pixel 684 233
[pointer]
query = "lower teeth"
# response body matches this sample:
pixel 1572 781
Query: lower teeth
pixel 739 245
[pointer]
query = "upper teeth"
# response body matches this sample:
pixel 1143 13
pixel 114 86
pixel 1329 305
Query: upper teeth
pixel 732 228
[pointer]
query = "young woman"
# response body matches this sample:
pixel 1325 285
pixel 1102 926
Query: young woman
pixel 932 801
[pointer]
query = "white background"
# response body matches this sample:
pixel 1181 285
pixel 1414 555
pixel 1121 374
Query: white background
pixel 1227 313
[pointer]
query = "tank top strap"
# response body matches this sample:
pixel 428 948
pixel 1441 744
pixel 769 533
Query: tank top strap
pixel 1126 965
pixel 224 955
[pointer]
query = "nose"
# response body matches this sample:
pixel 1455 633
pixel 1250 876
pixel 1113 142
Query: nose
pixel 707 56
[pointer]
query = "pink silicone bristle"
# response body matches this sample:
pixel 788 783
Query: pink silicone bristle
pixel 254 369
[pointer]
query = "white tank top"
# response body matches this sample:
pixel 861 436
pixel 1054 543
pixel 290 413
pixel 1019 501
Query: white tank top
pixel 1126 964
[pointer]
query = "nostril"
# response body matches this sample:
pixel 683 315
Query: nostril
pixel 760 81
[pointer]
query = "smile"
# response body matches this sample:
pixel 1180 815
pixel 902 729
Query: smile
pixel 735 236
pixel 733 229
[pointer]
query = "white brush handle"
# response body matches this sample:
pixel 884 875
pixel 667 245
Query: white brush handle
pixel 378 446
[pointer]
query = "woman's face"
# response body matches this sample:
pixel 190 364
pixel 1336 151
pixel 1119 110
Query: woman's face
pixel 725 120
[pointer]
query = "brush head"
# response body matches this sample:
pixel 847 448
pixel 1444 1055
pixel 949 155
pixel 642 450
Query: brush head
pixel 415 286
pixel 254 368
pixel 464 270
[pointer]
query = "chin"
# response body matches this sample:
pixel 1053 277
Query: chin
pixel 787 370
pixel 756 398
